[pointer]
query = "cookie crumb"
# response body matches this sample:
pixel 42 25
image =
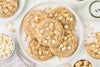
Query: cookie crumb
pixel 91 29
pixel 48 8
pixel 58 58
pixel 68 65
pixel 75 28
pixel 85 40
pixel 6 25
pixel 86 25
pixel 81 52
pixel 11 24
pixel 12 29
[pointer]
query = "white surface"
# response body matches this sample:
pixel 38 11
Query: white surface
pixel 85 18
pixel 20 8
pixel 53 61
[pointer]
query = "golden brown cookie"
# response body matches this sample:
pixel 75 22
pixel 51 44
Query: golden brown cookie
pixel 93 49
pixel 31 20
pixel 8 7
pixel 83 63
pixel 39 51
pixel 64 16
pixel 67 47
pixel 50 32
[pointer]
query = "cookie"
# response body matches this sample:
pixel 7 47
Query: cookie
pixel 8 7
pixel 39 51
pixel 31 20
pixel 66 18
pixel 93 49
pixel 50 32
pixel 83 63
pixel 67 47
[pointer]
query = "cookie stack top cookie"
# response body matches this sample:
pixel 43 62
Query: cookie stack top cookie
pixel 51 33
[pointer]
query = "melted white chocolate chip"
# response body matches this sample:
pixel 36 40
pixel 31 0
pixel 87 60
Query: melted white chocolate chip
pixel 66 26
pixel 53 42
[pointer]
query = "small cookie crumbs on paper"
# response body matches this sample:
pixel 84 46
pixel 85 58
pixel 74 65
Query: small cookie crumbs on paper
pixel 68 65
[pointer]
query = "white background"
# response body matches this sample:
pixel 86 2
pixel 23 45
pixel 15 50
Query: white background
pixel 84 17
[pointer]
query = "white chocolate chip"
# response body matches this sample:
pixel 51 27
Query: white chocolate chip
pixel 65 38
pixel 33 25
pixel 67 18
pixel 71 19
pixel 50 15
pixel 55 15
pixel 65 15
pixel 51 24
pixel 60 18
pixel 45 41
pixel 41 31
pixel 92 45
pixel 48 37
pixel 40 53
pixel 66 26
pixel 36 17
pixel 69 47
pixel 96 50
pixel 55 32
pixel 53 42
pixel 63 48
pixel 6 11
pixel 0 7
pixel 8 0
pixel 47 29
pixel 96 40
pixel 46 24
pixel 97 46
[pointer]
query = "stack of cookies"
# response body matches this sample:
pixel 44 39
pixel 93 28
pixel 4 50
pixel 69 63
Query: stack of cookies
pixel 50 33
pixel 8 7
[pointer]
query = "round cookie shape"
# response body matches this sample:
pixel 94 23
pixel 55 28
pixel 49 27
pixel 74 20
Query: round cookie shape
pixel 93 49
pixel 39 51
pixel 67 47
pixel 50 32
pixel 8 7
pixel 31 21
pixel 66 18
